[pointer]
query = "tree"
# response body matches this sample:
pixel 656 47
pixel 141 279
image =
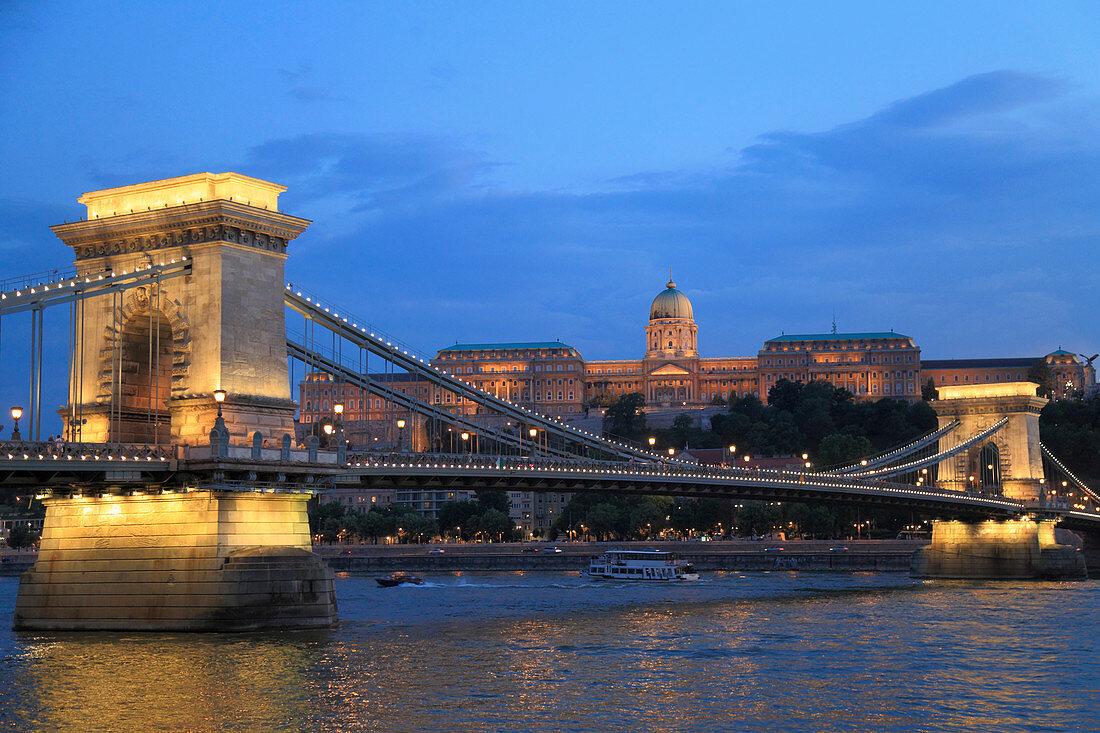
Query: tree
pixel 928 391
pixel 840 449
pixel 604 520
pixel 625 418
pixel 21 535
pixel 373 525
pixel 494 524
pixel 323 512
pixel 1040 374
pixel 758 517
pixel 493 499
pixel 330 529
pixel 784 395
pixel 455 518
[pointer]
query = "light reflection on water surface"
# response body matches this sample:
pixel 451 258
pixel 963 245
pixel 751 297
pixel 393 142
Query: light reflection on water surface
pixel 550 652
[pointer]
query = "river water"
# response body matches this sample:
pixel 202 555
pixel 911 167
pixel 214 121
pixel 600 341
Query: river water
pixel 553 652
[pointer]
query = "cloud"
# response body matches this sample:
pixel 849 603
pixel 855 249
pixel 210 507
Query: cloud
pixel 949 203
pixel 377 171
pixel 298 86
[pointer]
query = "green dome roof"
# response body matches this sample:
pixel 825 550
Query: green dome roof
pixel 670 303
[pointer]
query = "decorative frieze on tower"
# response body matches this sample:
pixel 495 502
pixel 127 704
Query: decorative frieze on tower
pixel 155 355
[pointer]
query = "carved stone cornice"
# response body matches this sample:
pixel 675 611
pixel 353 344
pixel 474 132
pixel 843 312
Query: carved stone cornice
pixel 989 405
pixel 178 226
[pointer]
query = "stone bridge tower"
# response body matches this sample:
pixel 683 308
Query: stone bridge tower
pixel 150 358
pixel 1011 458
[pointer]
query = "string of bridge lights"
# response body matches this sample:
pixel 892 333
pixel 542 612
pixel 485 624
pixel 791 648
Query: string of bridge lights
pixel 908 448
pixel 678 473
pixel 87 280
pixel 548 420
pixel 936 458
pixel 1061 466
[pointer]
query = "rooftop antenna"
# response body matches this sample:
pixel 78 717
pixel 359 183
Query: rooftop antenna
pixel 834 321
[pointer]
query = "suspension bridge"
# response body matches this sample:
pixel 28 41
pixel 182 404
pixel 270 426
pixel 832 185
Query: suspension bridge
pixel 180 447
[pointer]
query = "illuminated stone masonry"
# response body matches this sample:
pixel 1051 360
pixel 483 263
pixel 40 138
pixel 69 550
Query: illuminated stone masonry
pixel 1011 457
pixel 1018 548
pixel 201 560
pixel 220 327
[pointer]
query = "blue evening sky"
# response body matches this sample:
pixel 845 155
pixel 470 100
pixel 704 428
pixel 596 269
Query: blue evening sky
pixel 529 171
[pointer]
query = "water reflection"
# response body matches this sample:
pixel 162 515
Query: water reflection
pixel 549 652
pixel 200 682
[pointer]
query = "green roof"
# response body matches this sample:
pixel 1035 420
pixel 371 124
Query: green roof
pixel 1061 352
pixel 510 345
pixel 838 336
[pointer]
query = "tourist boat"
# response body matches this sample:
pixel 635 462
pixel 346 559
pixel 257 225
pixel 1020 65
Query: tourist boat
pixel 640 565
pixel 399 579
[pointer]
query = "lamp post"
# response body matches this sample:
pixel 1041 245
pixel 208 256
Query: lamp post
pixel 219 436
pixel 466 442
pixel 16 413
pixel 652 442
pixel 533 432
pixel 730 456
pixel 338 425
pixel 400 434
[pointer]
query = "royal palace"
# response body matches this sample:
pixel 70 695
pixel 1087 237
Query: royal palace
pixel 553 378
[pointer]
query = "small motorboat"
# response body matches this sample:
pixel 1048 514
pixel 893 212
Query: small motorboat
pixel 399 579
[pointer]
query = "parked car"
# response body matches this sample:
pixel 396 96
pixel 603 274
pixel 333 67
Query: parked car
pixel 436 551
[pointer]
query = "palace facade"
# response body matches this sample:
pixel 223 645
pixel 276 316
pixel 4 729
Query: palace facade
pixel 554 379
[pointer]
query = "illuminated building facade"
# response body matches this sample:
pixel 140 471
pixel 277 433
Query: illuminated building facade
pixel 1071 376
pixel 553 378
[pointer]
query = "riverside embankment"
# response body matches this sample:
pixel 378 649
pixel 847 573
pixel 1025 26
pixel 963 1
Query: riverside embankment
pixel 822 556
pixel 806 555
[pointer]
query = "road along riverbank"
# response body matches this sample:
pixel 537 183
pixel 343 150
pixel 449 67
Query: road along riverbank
pixel 855 556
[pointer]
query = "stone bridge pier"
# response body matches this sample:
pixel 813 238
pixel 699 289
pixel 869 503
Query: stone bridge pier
pixel 1009 463
pixel 148 362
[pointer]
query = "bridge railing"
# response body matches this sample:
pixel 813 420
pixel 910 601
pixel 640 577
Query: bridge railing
pixel 45 450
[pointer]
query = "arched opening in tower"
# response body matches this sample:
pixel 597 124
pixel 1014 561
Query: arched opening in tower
pixel 988 468
pixel 146 379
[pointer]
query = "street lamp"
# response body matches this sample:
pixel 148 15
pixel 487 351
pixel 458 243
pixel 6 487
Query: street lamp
pixel 652 442
pixel 465 441
pixel 533 432
pixel 219 397
pixel 671 452
pixel 400 434
pixel 338 426
pixel 16 413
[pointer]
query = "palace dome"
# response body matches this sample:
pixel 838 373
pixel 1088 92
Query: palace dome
pixel 670 303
